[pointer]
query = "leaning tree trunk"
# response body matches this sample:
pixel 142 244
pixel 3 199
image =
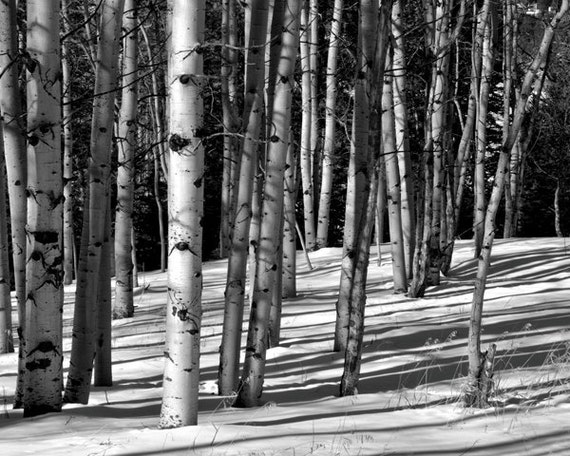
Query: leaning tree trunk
pixel 251 383
pixel 85 315
pixel 228 370
pixel 185 215
pixel 44 271
pixel 123 306
pixel 329 145
pixel 480 364
pixel 14 133
pixel 358 168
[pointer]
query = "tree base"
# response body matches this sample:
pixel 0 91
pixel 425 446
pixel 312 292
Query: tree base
pixel 480 384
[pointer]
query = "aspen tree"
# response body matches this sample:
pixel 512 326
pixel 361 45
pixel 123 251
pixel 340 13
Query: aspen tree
pixel 390 157
pixel 230 120
pixel 6 338
pixel 123 305
pixel 85 313
pixel 159 152
pixel 307 151
pixel 480 374
pixel 44 271
pixel 487 53
pixel 68 237
pixel 289 238
pixel 358 167
pixel 185 214
pixel 251 383
pixel 407 204
pixel 256 23
pixel 329 144
pixel 374 29
pixel 15 154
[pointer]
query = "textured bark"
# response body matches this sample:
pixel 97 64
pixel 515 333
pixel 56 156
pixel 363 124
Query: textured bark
pixel 159 152
pixel 231 121
pixel 473 390
pixel 481 136
pixel 373 29
pixel 123 306
pixel 185 214
pixel 68 237
pixel 289 285
pixel 6 338
pixel 358 168
pixel 307 151
pixel 228 370
pixel 14 133
pixel 329 145
pixel 103 374
pixel 509 52
pixel 44 271
pixel 407 202
pixel 390 157
pixel 85 314
pixel 251 383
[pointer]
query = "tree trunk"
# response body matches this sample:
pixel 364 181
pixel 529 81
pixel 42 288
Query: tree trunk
pixel 123 307
pixel 289 238
pixel 44 271
pixel 6 338
pixel 390 157
pixel 307 151
pixel 103 375
pixel 257 18
pixel 402 136
pixel 251 384
pixel 481 136
pixel 186 209
pixel 475 393
pixel 358 168
pixel 357 303
pixel 330 128
pixel 14 133
pixel 231 121
pixel 68 178
pixel 85 315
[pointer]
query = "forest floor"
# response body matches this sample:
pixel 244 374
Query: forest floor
pixel 413 370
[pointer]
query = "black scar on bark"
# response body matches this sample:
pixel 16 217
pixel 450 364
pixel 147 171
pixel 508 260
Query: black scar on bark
pixel 46 237
pixel 177 142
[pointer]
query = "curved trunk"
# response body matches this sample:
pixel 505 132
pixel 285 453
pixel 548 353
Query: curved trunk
pixel 475 390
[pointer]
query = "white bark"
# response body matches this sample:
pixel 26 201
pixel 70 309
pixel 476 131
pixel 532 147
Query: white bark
pixel 185 213
pixel 44 271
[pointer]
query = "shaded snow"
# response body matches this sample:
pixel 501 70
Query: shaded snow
pixel 413 366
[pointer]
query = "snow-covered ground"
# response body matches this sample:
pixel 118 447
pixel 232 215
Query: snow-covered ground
pixel 413 367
